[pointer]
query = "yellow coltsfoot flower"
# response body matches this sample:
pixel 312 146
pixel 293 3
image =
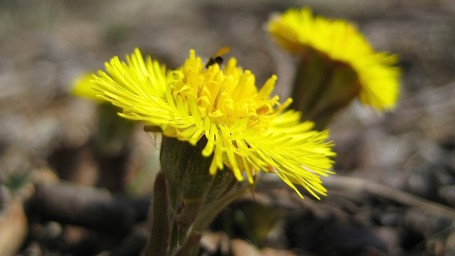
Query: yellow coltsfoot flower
pixel 339 42
pixel 245 128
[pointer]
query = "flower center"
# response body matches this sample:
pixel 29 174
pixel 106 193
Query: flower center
pixel 226 95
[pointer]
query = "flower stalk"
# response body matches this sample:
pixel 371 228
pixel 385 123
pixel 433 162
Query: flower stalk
pixel 186 198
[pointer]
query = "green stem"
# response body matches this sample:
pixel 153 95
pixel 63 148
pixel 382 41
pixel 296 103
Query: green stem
pixel 211 210
pixel 195 196
pixel 191 245
pixel 158 241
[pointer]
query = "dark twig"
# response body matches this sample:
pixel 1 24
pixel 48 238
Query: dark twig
pixel 131 245
pixel 86 206
pixel 390 193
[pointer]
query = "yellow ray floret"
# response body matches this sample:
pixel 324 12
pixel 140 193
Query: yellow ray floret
pixel 297 30
pixel 82 87
pixel 246 129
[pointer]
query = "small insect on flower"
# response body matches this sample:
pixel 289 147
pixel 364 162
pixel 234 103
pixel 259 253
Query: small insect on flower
pixel 217 57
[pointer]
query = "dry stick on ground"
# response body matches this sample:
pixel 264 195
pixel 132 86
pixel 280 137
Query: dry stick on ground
pixel 132 244
pixel 390 193
pixel 13 228
pixel 86 206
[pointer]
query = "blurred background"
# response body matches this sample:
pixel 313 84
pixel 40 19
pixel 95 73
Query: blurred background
pixel 395 189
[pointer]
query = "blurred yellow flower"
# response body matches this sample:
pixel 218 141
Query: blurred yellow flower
pixel 246 129
pixel 298 31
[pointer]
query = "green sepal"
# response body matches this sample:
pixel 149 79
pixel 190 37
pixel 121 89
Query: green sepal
pixel 322 87
pixel 195 196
